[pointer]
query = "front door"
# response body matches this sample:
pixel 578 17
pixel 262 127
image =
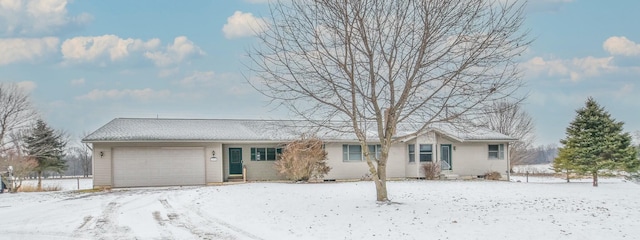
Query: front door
pixel 235 160
pixel 445 156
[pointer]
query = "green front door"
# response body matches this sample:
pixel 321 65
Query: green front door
pixel 235 160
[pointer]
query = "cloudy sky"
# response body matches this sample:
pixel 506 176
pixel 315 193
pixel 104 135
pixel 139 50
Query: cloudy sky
pixel 87 62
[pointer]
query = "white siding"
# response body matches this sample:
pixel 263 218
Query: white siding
pixel 256 170
pixel 214 168
pixel 359 169
pixel 101 166
pixel 472 159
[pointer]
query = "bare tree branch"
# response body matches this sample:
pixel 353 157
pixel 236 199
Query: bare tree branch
pixel 373 65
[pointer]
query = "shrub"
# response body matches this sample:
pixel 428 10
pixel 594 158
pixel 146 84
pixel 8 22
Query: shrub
pixel 431 170
pixel 303 159
pixel 492 175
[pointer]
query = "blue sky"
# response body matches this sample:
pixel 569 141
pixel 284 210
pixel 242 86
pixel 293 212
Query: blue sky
pixel 87 62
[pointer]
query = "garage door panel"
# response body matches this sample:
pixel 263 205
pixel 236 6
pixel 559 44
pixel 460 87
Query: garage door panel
pixel 134 167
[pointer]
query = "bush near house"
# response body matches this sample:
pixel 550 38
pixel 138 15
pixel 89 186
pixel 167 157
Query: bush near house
pixel 492 175
pixel 431 170
pixel 303 159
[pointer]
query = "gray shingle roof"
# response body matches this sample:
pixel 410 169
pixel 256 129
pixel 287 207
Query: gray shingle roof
pixel 152 129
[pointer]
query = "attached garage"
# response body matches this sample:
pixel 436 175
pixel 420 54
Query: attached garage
pixel 158 166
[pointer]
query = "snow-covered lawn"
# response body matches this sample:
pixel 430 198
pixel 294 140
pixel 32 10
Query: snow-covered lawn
pixel 534 168
pixel 62 183
pixel 421 210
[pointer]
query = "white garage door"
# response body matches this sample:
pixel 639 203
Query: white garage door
pixel 140 167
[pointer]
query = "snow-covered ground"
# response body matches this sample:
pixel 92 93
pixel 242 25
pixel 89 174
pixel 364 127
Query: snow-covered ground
pixel 541 209
pixel 62 183
pixel 534 168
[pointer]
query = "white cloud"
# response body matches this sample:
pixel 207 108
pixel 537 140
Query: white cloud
pixel 27 86
pixel 88 49
pixel 26 49
pixel 621 46
pixel 181 50
pixel 77 82
pixel 115 94
pixel 198 79
pixel 37 17
pixel 575 69
pixel 243 25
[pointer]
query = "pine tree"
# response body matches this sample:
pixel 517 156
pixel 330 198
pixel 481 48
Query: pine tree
pixel 595 142
pixel 46 147
pixel 562 163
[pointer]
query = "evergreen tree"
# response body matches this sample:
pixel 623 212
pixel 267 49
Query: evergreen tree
pixel 562 163
pixel 595 142
pixel 46 147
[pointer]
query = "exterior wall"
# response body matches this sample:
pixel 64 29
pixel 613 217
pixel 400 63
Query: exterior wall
pixel 359 169
pixel 214 172
pixel 256 170
pixel 103 166
pixel 414 169
pixel 468 159
pixel 472 158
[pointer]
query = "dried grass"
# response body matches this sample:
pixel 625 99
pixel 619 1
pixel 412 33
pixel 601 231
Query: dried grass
pixel 46 188
pixel 492 175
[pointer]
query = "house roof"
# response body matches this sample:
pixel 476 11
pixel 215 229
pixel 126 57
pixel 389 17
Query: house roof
pixel 160 129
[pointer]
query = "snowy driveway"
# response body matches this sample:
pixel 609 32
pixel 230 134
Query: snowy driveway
pixel 424 210
pixel 120 214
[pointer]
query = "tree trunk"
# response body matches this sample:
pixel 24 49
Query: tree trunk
pixel 39 180
pixel 595 179
pixel 568 176
pixel 381 183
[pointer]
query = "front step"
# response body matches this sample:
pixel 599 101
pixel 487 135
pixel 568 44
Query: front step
pixel 235 178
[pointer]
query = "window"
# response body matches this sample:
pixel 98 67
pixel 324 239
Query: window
pixel 351 153
pixel 412 153
pixel 426 152
pixel 355 153
pixel 376 151
pixel 496 151
pixel 265 154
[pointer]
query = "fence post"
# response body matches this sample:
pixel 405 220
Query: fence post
pixel 527 174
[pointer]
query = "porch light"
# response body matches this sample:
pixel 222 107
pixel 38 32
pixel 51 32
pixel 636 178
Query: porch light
pixel 213 156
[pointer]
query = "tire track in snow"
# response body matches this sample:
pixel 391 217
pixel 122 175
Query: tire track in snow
pixel 104 226
pixel 210 220
pixel 182 221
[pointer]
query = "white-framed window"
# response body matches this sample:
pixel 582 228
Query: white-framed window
pixel 375 151
pixel 426 152
pixel 265 154
pixel 355 153
pixel 351 153
pixel 412 152
pixel 496 151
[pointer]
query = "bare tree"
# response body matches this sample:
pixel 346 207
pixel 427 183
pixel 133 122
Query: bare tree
pixel 509 118
pixel 371 65
pixel 16 111
pixel 82 154
pixel 17 158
